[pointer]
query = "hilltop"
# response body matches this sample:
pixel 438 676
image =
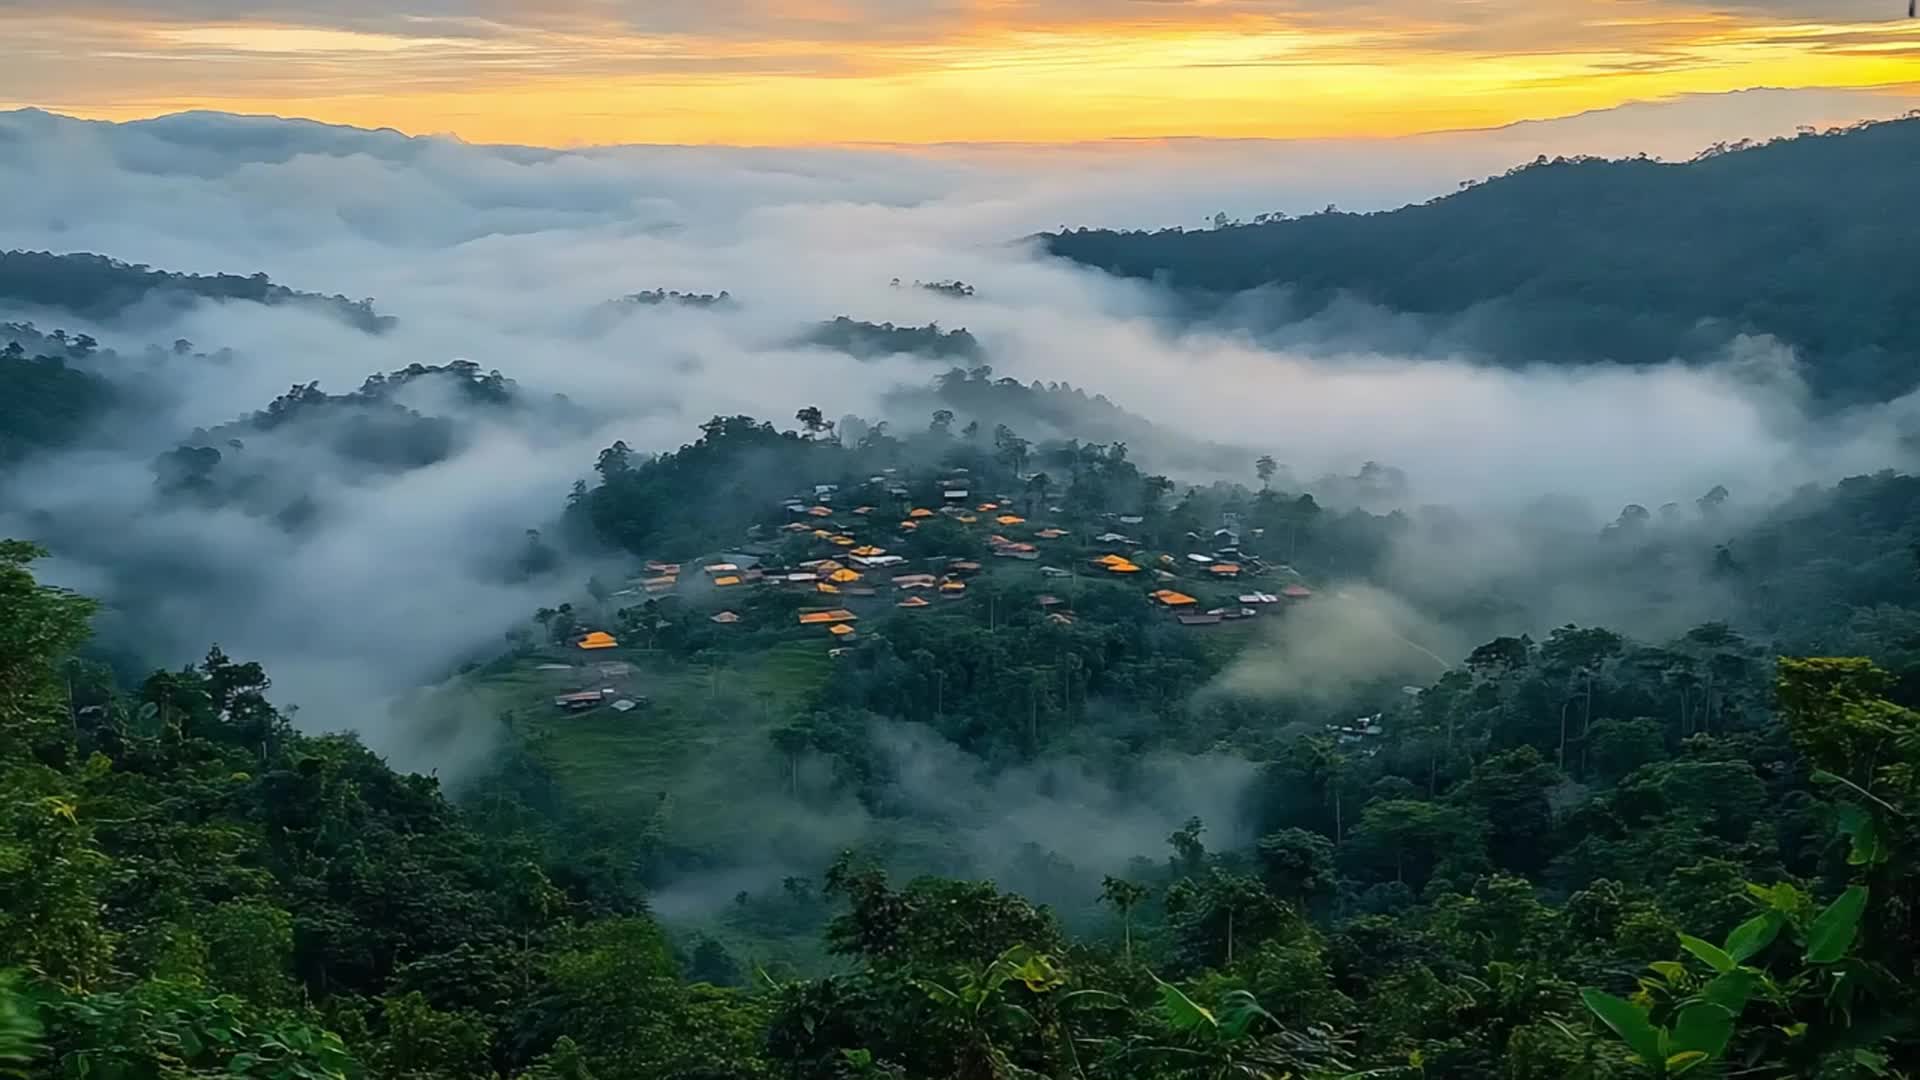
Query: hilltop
pixel 1578 260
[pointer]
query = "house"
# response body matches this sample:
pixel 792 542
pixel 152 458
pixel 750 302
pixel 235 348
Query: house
pixel 867 551
pixel 657 568
pixel 1051 534
pixel 1060 618
pixel 821 491
pixel 955 495
pixel 726 580
pixel 952 588
pixel 723 568
pixel 820 511
pixel 796 526
pixel 829 615
pixel 1170 598
pixel 1131 519
pixel 964 566
pixel 967 519
pixel 915 581
pixel 624 705
pixel 580 702
pixel 877 562
pixel 1112 538
pixel 599 639
pixel 919 512
pixel 844 577
pixel 1258 598
pixel 909 526
pixel 915 602
pixel 554 667
pixel 1010 519
pixel 1224 569
pixel 1024 552
pixel 1198 620
pixel 1296 592
pixel 1050 602
pixel 725 618
pixel 841 631
pixel 987 507
pixel 1203 560
pixel 831 590
pixel 614 669
pixel 802 578
pixel 863 511
pixel 1054 572
pixel 842 541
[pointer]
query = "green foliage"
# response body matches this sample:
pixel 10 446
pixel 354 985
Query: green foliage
pixel 1576 258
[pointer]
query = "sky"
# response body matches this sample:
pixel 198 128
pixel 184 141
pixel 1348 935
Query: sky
pixel 804 72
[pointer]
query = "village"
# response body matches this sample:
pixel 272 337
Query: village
pixel 836 559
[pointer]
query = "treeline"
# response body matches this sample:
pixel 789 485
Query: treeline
pixel 1577 261
pixel 1543 868
pixel 865 339
pixel 43 401
pixel 97 287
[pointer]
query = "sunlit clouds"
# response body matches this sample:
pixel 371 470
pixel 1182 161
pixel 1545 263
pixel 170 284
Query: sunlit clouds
pixel 919 71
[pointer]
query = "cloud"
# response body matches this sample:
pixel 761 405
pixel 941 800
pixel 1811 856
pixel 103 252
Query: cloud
pixel 504 255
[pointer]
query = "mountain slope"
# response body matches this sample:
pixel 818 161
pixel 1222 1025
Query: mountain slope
pixel 97 287
pixel 1634 261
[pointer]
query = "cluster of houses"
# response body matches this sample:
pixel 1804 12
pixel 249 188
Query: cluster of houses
pixel 1366 733
pixel 596 684
pixel 853 568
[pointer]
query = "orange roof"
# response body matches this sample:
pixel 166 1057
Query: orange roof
pixel 1114 560
pixel 984 507
pixel 909 525
pixel 967 519
pixel 919 512
pixel 1123 567
pixel 826 565
pixel 811 618
pixel 840 630
pixel 953 586
pixel 844 576
pixel 826 588
pixel 1174 599
pixel 843 541
pixel 1010 519
pixel 822 534
pixel 1224 569
pixel 914 601
pixel 868 550
pixel 599 639
pixel 725 581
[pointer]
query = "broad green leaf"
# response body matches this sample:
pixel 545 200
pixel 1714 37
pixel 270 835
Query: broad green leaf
pixel 1669 970
pixel 1750 937
pixel 1709 954
pixel 1705 1027
pixel 1731 990
pixel 1858 826
pixel 1686 1059
pixel 1627 1021
pixel 1832 931
pixel 1182 1013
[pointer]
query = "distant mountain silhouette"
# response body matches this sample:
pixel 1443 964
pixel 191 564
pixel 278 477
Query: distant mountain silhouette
pixel 1813 239
pixel 97 287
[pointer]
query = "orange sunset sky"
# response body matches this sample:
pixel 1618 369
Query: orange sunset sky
pixel 915 71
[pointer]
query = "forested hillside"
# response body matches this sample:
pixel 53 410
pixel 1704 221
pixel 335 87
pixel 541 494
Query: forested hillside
pixel 1580 260
pixel 97 287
